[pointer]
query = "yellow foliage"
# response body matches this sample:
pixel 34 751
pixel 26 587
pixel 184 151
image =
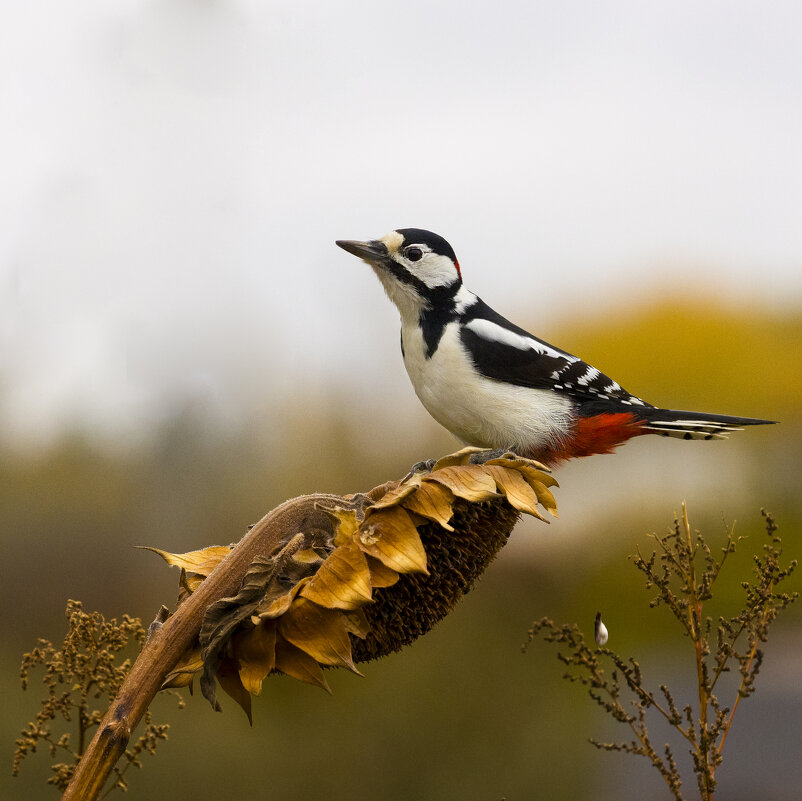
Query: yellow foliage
pixel 698 354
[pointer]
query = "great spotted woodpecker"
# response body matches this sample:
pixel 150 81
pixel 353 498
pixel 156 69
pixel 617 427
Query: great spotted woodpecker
pixel 494 385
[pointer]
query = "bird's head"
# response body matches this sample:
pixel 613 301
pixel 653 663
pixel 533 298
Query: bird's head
pixel 418 269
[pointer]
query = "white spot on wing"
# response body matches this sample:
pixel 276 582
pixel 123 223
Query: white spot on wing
pixel 590 375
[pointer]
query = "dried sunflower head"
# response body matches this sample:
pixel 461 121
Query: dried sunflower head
pixel 365 577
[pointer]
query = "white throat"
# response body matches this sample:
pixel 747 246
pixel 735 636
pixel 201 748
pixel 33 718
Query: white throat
pixel 408 302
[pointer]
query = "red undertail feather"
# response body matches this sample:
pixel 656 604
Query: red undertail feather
pixel 598 434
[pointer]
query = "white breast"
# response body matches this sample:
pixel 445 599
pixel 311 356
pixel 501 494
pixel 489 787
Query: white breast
pixel 478 410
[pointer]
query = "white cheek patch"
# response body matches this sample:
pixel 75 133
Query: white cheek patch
pixel 433 270
pixel 495 333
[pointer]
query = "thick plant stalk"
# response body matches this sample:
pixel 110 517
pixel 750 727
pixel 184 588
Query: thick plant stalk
pixel 168 641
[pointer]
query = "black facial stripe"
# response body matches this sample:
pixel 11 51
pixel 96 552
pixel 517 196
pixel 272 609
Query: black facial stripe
pixel 435 295
pixel 405 276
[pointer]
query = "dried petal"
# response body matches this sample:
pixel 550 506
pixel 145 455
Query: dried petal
pixel 469 481
pixel 345 521
pixel 256 652
pixel 519 494
pixel 544 496
pixel 274 606
pixel 537 480
pixel 356 623
pixel 201 562
pixel 390 536
pixel 529 468
pixel 228 676
pixel 308 556
pixel 298 664
pixel 318 631
pixel 392 497
pixel 460 457
pixel 184 672
pixel 432 501
pixel 343 580
pixel 190 581
pixel 380 574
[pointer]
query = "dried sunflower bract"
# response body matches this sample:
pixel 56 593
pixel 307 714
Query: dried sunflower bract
pixel 364 578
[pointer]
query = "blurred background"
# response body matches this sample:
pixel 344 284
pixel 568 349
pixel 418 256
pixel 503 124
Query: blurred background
pixel 182 346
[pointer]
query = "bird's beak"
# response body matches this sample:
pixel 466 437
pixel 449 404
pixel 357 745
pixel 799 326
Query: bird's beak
pixel 372 251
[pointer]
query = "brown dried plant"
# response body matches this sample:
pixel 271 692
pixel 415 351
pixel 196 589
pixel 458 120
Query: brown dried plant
pixel 85 668
pixel 321 581
pixel 363 577
pixel 683 570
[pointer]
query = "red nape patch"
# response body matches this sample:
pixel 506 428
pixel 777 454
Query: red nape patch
pixel 459 272
pixel 597 434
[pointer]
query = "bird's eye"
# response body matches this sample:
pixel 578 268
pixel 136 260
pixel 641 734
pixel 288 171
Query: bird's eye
pixel 413 254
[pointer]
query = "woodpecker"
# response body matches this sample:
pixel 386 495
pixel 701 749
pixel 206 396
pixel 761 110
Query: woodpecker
pixel 493 384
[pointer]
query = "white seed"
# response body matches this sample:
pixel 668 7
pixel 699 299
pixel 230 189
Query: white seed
pixel 600 630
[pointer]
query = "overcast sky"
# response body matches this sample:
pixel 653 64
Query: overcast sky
pixel 173 174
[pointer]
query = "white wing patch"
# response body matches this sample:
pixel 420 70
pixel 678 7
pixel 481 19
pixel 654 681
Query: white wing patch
pixel 493 332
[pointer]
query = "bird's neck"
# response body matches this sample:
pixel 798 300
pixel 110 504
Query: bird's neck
pixel 406 299
pixel 414 302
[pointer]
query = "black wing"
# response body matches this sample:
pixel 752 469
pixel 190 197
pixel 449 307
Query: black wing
pixel 503 351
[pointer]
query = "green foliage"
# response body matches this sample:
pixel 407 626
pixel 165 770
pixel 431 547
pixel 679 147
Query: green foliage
pixel 683 571
pixel 84 669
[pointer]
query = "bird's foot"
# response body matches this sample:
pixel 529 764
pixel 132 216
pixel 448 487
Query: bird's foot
pixel 420 467
pixel 485 456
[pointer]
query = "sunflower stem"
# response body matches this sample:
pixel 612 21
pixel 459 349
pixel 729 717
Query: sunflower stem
pixel 168 641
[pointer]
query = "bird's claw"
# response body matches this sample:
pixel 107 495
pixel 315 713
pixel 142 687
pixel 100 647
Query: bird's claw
pixel 485 456
pixel 420 467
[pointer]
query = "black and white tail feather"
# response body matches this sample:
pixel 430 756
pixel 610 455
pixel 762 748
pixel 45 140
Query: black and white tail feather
pixel 694 425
